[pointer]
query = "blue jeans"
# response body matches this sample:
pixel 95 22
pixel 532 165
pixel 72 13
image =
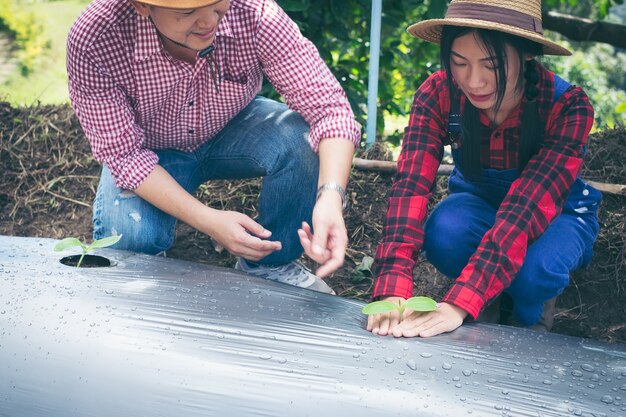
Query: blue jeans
pixel 266 140
pixel 456 226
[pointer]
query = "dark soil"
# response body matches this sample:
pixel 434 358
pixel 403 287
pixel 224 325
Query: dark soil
pixel 48 180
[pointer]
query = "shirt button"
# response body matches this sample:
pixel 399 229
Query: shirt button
pixel 585 192
pixel 497 134
pixel 190 131
pixel 191 103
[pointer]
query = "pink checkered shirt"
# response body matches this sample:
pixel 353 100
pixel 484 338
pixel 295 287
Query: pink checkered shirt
pixel 132 97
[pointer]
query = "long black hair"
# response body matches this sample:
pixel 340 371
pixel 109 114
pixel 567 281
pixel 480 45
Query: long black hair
pixel 531 130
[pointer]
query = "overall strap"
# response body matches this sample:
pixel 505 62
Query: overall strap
pixel 454 124
pixel 560 85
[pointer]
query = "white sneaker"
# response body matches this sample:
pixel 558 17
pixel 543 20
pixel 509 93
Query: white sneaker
pixel 293 273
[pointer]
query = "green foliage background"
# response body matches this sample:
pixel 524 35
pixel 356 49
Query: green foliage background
pixel 340 29
pixel 26 31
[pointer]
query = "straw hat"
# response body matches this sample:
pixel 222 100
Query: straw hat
pixel 179 4
pixel 521 18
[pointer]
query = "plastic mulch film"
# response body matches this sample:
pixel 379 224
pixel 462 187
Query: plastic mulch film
pixel 153 336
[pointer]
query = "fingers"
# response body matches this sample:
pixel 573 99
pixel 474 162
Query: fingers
pixel 306 240
pixel 337 242
pixel 319 241
pixel 445 319
pixel 327 247
pixel 414 324
pixel 382 324
pixel 252 248
pixel 244 237
pixel 254 228
pixel 335 262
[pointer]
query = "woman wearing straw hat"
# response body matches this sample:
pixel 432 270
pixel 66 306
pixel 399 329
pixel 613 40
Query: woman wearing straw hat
pixel 518 219
pixel 165 91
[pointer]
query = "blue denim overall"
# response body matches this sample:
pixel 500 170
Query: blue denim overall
pixel 456 226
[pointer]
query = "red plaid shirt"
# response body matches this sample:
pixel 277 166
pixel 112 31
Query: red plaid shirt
pixel 531 203
pixel 132 97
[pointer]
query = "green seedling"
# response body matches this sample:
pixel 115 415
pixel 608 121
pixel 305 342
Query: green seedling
pixel 70 242
pixel 421 304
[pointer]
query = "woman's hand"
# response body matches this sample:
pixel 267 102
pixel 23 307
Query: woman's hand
pixel 383 324
pixel 445 318
pixel 327 246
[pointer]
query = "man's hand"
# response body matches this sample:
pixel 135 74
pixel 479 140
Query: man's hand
pixel 327 246
pixel 236 232
pixel 445 318
pixel 241 235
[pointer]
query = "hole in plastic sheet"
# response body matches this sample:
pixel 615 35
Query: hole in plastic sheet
pixel 89 261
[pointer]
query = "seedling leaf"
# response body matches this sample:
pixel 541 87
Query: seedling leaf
pixel 420 304
pixel 104 242
pixel 378 307
pixel 68 242
pixel 366 265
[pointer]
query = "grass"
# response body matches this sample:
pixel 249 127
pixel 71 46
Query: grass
pixel 47 84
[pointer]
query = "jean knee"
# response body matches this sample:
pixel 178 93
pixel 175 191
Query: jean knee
pixel 440 249
pixel 143 227
pixel 448 241
pixel 540 278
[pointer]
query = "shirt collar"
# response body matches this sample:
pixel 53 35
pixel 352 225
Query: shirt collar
pixel 148 43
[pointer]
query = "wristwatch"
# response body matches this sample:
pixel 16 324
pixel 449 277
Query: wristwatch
pixel 333 186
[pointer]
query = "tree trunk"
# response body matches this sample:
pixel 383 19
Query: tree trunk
pixel 579 29
pixel 389 167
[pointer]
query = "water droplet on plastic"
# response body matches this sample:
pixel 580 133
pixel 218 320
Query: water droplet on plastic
pixel 607 399
pixel 446 366
pixel 389 360
pixel 426 355
pixel 587 367
pixel 412 365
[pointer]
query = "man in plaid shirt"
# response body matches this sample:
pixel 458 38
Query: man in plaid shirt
pixel 165 91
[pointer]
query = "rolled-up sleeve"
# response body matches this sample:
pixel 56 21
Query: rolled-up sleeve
pixel 107 119
pixel 293 65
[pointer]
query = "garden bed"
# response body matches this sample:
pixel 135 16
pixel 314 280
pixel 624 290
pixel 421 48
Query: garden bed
pixel 49 178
